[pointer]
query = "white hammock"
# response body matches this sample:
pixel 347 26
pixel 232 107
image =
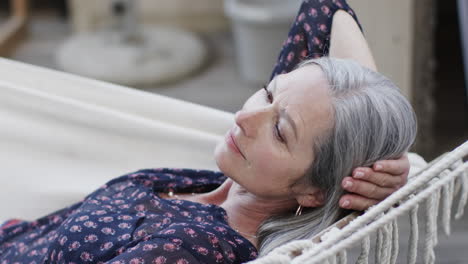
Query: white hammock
pixel 56 147
pixel 63 136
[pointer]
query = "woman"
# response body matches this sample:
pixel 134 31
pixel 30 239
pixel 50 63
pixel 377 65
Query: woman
pixel 291 147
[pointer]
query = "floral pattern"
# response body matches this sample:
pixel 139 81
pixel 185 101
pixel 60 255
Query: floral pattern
pixel 309 36
pixel 125 221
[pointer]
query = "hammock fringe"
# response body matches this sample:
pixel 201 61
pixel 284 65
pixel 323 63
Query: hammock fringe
pixel 436 186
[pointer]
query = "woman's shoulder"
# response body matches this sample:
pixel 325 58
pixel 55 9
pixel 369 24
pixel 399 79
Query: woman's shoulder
pixel 171 179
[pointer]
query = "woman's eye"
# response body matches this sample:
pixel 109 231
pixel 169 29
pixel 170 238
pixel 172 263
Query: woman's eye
pixel 268 94
pixel 277 131
pixel 278 134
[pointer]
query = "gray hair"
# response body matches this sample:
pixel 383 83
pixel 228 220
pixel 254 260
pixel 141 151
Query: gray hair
pixel 372 121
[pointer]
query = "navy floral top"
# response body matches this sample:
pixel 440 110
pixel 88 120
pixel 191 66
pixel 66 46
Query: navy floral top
pixel 125 221
pixel 309 36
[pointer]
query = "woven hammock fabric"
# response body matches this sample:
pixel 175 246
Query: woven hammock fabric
pixel 63 136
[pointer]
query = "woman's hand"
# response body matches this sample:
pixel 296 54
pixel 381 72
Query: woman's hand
pixel 368 186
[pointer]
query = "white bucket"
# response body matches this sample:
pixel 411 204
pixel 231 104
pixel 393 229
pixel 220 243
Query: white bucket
pixel 260 27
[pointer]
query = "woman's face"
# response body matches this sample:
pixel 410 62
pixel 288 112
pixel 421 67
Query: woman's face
pixel 270 146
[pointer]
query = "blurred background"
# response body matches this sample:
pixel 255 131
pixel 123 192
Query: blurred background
pixel 217 53
pixel 230 48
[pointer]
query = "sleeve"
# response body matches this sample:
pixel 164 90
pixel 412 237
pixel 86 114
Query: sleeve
pixel 309 36
pixel 170 250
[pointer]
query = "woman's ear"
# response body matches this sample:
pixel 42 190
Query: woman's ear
pixel 311 198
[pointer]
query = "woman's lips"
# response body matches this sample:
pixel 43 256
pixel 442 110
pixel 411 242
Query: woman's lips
pixel 231 142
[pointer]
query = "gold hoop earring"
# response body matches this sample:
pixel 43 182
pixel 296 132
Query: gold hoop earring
pixel 299 210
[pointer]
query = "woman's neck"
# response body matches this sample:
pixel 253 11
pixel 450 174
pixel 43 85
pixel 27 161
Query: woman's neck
pixel 218 195
pixel 246 211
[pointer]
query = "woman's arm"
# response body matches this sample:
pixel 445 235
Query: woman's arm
pixel 348 42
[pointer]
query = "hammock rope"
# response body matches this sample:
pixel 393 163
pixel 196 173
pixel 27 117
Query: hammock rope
pixel 464 192
pixel 395 243
pixel 447 199
pixel 342 257
pixel 430 229
pixel 414 235
pixel 308 257
pixel 365 250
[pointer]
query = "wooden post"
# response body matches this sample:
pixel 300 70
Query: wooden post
pixel 423 75
pixel 14 29
pixel 463 22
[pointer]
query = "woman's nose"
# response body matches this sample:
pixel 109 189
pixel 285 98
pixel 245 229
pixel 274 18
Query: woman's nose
pixel 250 121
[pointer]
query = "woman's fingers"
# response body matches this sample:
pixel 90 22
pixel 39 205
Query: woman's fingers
pixel 356 202
pixel 385 173
pixel 366 189
pixel 394 167
pixel 381 179
pixel 368 186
